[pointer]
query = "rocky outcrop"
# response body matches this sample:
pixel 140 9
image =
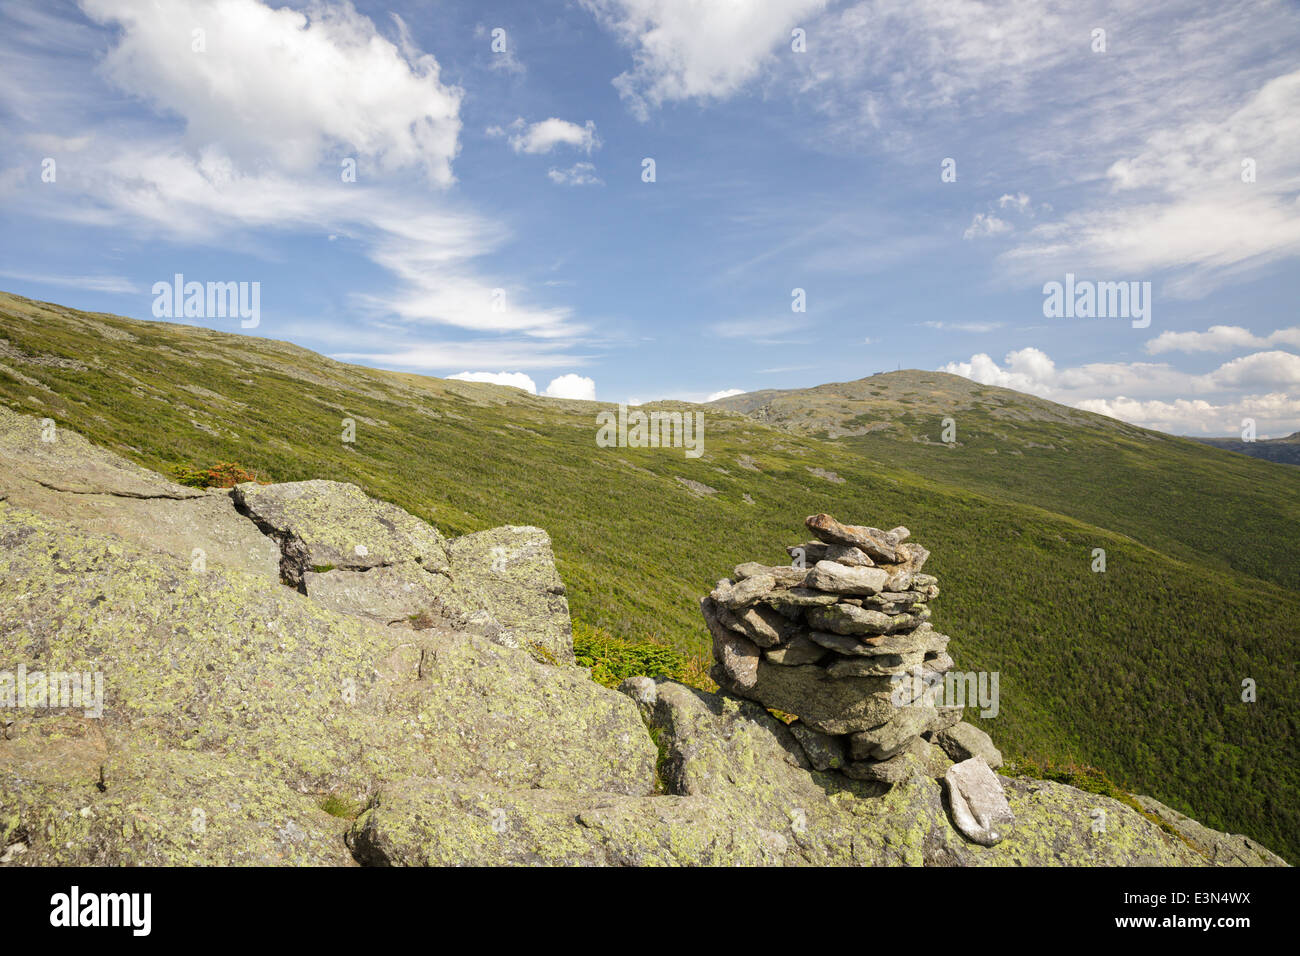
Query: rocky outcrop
pixel 1221 849
pixel 408 703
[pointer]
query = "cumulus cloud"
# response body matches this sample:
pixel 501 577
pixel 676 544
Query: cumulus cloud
pixel 690 49
pixel 330 89
pixel 513 379
pixel 1147 393
pixel 563 386
pixel 572 386
pixel 324 80
pixel 1275 411
pixel 579 174
pixel 547 134
pixel 725 393
pixel 1221 338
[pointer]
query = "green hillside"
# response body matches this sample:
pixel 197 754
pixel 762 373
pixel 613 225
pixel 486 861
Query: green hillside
pixel 1137 670
pixel 1177 495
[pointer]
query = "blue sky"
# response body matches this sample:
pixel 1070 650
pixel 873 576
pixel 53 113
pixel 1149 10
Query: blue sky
pixel 499 223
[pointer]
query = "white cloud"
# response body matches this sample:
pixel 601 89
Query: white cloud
pixel 1221 338
pixel 1149 393
pixel 696 49
pixel 1019 202
pixel 513 379
pixel 1179 202
pixel 985 225
pixel 725 393
pixel 1275 411
pixel 1261 370
pixel 328 87
pixel 52 144
pixel 579 174
pixel 547 134
pixel 572 386
pixel 321 81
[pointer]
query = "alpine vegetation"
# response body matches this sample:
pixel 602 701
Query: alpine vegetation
pixel 655 429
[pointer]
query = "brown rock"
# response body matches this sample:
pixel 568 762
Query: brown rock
pixel 878 544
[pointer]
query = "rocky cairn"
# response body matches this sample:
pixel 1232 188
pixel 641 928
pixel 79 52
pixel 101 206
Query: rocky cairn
pixel 842 639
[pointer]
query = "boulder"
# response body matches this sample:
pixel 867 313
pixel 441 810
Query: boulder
pixel 507 578
pixel 322 525
pixel 962 741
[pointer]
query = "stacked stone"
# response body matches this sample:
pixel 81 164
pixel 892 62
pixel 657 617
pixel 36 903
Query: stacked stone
pixel 840 638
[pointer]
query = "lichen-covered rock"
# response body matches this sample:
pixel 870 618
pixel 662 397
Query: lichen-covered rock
pixel 1059 825
pixel 42 452
pixel 823 751
pixel 422 822
pixel 248 723
pixel 95 490
pixel 400 593
pixel 1221 849
pixel 159 808
pixel 832 705
pixel 507 577
pixel 322 525
pixel 253 685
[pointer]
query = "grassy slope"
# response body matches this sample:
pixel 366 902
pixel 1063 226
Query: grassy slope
pixel 1136 670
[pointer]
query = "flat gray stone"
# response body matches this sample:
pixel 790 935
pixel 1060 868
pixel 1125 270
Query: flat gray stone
pixel 841 579
pixel 798 650
pixel 979 805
